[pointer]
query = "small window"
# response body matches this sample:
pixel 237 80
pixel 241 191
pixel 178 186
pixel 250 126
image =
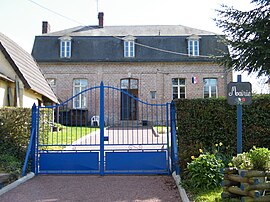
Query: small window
pixel 153 94
pixel 129 46
pixel 129 49
pixel 193 45
pixel 193 48
pixel 65 47
pixel 210 88
pixel 52 83
pixel 179 88
pixel 79 85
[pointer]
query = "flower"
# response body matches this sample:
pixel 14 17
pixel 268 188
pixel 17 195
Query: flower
pixel 220 144
pixel 200 150
pixel 192 157
pixel 230 164
pixel 216 145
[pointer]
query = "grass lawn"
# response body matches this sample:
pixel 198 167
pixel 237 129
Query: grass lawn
pixel 65 136
pixel 206 196
pixel 161 129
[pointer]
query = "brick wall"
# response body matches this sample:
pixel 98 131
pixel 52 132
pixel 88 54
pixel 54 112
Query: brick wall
pixel 152 77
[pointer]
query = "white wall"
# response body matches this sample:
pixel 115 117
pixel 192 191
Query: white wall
pixel 30 97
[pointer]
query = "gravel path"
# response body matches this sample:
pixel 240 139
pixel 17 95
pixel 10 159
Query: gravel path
pixel 56 188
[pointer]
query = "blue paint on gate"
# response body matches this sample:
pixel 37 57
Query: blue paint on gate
pixel 136 161
pixel 129 146
pixel 54 162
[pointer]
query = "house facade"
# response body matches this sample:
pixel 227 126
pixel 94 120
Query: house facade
pixel 21 81
pixel 153 63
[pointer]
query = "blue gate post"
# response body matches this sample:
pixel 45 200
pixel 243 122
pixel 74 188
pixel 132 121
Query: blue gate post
pixel 33 132
pixel 101 125
pixel 31 145
pixel 239 123
pixel 174 149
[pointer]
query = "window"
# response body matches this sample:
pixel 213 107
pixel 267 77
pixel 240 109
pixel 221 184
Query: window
pixel 129 46
pixel 78 86
pixel 65 47
pixel 129 49
pixel 193 48
pixel 153 94
pixel 179 88
pixel 210 88
pixel 52 83
pixel 193 45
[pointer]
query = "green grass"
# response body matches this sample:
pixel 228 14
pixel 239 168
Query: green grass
pixel 161 129
pixel 207 196
pixel 65 136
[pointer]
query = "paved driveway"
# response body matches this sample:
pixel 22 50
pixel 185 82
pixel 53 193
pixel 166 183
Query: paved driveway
pixel 51 188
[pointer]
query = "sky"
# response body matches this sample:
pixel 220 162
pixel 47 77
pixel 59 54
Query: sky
pixel 21 20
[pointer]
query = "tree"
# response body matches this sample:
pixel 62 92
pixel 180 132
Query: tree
pixel 247 33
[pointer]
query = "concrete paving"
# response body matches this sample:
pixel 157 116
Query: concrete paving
pixel 69 188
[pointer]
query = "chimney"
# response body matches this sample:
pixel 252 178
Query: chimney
pixel 45 27
pixel 100 19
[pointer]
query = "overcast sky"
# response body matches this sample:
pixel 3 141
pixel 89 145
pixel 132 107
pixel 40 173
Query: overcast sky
pixel 21 20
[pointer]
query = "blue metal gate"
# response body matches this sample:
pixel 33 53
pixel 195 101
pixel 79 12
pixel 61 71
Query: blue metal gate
pixel 103 130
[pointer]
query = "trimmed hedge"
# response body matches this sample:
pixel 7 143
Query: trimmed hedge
pixel 15 127
pixel 202 123
pixel 15 130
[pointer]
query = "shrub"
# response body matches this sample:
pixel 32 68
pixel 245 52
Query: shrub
pixel 242 161
pixel 259 158
pixel 256 159
pixel 204 172
pixel 10 164
pixel 14 131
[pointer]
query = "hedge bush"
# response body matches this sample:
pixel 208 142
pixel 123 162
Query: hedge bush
pixel 14 131
pixel 203 123
pixel 15 127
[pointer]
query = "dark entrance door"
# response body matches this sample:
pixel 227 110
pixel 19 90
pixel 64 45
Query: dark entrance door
pixel 129 106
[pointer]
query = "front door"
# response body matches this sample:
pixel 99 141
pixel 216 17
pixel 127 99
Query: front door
pixel 129 106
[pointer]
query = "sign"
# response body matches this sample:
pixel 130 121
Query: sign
pixel 239 93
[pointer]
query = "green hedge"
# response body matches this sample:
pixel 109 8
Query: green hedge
pixel 15 126
pixel 202 123
pixel 15 130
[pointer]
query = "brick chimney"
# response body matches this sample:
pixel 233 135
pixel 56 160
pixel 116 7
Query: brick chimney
pixel 100 19
pixel 45 27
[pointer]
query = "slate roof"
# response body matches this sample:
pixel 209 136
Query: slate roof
pixel 104 44
pixel 26 68
pixel 135 30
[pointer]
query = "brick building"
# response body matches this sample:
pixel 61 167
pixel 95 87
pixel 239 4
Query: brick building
pixel 154 63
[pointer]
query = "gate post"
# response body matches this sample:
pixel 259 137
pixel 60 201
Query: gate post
pixel 33 138
pixel 101 125
pixel 174 149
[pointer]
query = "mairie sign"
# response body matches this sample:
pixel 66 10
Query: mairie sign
pixel 239 93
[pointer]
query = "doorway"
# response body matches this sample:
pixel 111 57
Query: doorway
pixel 129 106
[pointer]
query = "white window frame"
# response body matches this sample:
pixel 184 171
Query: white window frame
pixel 209 88
pixel 81 99
pixel 129 46
pixel 193 45
pixel 129 49
pixel 65 47
pixel 179 86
